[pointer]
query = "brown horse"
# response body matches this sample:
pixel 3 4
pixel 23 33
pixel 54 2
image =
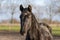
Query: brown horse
pixel 30 26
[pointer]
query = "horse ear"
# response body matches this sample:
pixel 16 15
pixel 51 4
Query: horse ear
pixel 29 8
pixel 21 7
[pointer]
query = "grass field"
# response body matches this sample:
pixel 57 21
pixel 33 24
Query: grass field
pixel 16 28
pixel 8 27
pixel 56 30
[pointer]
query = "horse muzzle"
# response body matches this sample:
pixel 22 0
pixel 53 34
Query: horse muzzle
pixel 22 32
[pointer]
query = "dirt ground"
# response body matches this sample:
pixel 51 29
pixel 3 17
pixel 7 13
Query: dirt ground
pixel 16 36
pixel 4 36
pixel 56 37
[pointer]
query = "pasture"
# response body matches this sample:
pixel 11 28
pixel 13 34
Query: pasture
pixel 16 28
pixel 7 29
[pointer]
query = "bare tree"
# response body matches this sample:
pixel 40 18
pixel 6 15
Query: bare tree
pixel 51 11
pixel 12 7
pixel 0 3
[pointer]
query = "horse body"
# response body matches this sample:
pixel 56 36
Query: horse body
pixel 33 29
pixel 38 31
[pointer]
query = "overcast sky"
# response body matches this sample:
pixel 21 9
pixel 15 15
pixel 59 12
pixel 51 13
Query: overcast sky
pixel 7 15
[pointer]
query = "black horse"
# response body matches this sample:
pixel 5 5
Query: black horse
pixel 30 26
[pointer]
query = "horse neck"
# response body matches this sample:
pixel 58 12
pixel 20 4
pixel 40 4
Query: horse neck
pixel 34 22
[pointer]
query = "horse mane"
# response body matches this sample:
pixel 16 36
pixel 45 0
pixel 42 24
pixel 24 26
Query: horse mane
pixel 34 20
